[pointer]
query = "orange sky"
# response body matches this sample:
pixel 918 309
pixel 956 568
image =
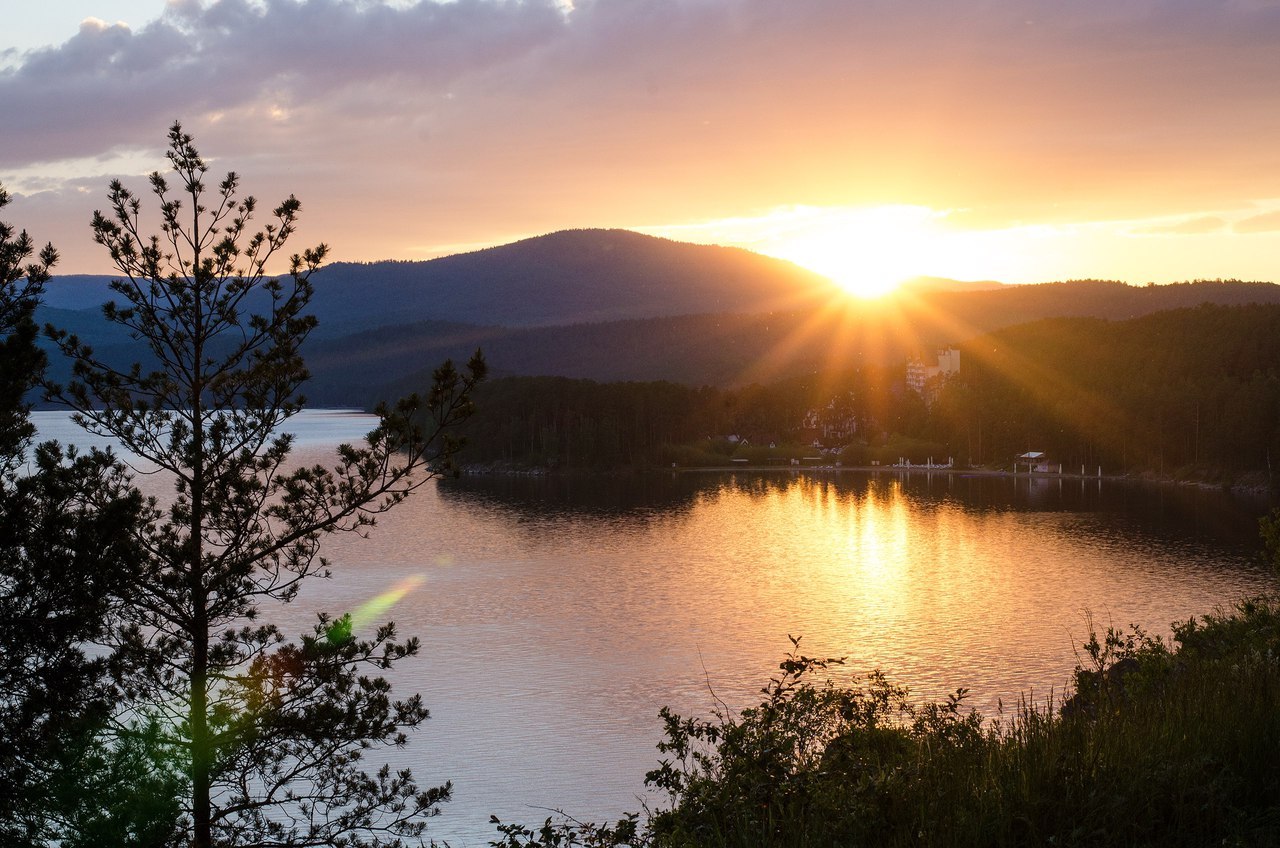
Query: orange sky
pixel 871 139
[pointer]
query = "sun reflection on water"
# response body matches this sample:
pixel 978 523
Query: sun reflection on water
pixel 575 608
pixel 877 545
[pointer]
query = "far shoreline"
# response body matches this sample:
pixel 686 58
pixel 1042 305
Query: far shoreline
pixel 1240 487
pixel 1257 490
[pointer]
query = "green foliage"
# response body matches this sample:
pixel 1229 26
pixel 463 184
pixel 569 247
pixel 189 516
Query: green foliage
pixel 563 831
pixel 266 736
pixel 815 763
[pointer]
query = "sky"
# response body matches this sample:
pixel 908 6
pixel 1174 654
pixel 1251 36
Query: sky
pixel 871 140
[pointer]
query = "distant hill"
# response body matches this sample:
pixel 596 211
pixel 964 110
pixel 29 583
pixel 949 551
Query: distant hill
pixel 568 277
pixel 617 305
pixel 732 350
pixel 919 285
pixel 692 349
pixel 1008 305
pixel 77 291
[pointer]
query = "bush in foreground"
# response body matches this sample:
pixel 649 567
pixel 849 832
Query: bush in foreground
pixel 1158 746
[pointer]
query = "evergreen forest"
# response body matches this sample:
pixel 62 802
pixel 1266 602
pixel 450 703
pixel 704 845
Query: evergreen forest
pixel 1191 392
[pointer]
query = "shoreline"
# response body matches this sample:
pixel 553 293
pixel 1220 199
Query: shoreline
pixel 1240 487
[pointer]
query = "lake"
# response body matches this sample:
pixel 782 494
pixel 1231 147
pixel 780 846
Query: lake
pixel 559 614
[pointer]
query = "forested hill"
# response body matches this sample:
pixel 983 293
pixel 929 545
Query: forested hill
pixel 1188 391
pixel 617 305
pixel 692 349
pixel 571 277
pixel 737 349
pixel 568 277
pixel 1187 388
pixel 1004 306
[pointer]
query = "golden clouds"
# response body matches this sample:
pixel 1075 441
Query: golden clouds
pixel 1040 138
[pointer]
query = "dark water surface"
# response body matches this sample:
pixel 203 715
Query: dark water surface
pixel 558 614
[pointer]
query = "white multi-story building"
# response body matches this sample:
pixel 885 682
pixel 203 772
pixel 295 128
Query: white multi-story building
pixel 920 376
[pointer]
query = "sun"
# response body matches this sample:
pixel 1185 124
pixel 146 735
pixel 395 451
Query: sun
pixel 867 251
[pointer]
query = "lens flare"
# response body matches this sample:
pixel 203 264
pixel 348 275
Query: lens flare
pixel 373 609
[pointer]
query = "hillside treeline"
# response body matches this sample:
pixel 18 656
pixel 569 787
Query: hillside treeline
pixel 1174 392
pixel 1170 392
pixel 557 421
pixel 738 349
pixel 1007 306
pixel 560 422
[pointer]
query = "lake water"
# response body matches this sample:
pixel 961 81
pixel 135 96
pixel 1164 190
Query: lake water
pixel 558 614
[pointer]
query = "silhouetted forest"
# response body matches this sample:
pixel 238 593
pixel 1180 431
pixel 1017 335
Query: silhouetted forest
pixel 1183 389
pixel 1174 392
pixel 581 423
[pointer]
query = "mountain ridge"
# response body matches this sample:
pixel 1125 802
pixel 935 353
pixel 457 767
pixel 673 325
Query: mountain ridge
pixel 565 277
pixel 617 305
pixel 733 349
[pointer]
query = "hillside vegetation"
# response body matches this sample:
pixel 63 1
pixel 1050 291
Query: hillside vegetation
pixel 733 350
pixel 1188 391
pixel 1175 391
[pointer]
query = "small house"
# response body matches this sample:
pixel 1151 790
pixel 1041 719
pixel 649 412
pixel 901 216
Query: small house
pixel 1033 460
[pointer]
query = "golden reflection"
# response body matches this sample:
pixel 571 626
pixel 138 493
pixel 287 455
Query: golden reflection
pixel 877 545
pixel 876 568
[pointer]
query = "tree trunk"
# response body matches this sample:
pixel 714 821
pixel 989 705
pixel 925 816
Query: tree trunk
pixel 201 749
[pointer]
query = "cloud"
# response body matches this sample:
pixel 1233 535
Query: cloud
pixel 101 87
pixel 1187 227
pixel 1267 222
pixel 504 116
pixel 926 76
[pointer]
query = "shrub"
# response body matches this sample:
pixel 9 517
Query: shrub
pixel 1157 746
